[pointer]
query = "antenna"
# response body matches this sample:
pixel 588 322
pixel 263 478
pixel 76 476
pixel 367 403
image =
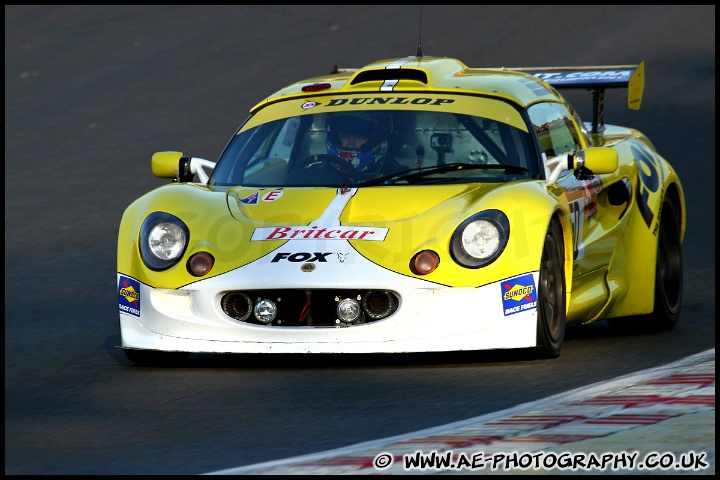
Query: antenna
pixel 419 52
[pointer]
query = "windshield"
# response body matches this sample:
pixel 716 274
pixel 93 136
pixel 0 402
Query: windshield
pixel 377 147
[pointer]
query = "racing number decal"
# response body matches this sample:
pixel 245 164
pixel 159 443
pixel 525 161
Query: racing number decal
pixel 577 219
pixel 649 182
pixel 582 203
pixel 581 210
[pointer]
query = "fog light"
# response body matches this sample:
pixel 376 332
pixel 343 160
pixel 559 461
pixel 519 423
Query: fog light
pixel 348 310
pixel 265 311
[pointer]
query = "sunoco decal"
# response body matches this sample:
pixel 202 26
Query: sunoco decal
pixel 129 296
pixel 314 232
pixel 518 294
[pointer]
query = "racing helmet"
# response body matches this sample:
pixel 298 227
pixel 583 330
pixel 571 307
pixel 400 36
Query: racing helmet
pixel 374 127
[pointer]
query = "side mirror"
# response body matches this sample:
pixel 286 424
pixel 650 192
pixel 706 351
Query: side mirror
pixel 599 160
pixel 166 164
pixel 177 166
pixel 590 161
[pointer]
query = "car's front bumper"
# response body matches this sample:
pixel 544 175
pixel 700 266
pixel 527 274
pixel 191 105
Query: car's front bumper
pixel 430 317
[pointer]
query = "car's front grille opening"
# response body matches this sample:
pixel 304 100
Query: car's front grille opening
pixel 313 308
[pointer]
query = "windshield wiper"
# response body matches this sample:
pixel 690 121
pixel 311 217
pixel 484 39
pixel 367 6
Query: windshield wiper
pixel 420 172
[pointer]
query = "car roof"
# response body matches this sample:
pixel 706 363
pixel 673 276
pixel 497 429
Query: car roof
pixel 422 74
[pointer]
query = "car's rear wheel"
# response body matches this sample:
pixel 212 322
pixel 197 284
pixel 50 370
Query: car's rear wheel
pixel 155 358
pixel 668 271
pixel 551 294
pixel 668 280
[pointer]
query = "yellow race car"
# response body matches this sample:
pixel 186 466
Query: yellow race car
pixel 412 205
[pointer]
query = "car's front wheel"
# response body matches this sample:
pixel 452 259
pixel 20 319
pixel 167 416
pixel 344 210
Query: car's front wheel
pixel 155 358
pixel 551 294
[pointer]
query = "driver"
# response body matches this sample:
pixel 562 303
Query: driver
pixel 360 138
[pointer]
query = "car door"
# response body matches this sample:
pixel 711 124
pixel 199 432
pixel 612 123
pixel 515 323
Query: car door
pixel 594 225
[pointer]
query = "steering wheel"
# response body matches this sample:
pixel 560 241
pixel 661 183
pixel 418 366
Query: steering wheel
pixel 341 167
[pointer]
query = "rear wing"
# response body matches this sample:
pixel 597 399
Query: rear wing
pixel 596 79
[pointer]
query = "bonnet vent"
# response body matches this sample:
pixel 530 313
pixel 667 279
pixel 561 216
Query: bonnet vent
pixel 390 74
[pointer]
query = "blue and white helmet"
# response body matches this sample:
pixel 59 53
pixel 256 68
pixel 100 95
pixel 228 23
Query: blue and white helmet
pixel 376 126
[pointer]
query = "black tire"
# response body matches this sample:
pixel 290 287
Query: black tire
pixel 668 281
pixel 551 294
pixel 155 358
pixel 668 272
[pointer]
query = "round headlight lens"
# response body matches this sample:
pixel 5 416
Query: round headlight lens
pixel 167 240
pixel 265 311
pixel 481 239
pixel 163 240
pixel 348 310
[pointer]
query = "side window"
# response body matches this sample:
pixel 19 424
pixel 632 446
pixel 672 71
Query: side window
pixel 555 129
pixel 583 128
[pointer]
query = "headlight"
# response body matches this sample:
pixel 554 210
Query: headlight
pixel 480 239
pixel 167 240
pixel 163 239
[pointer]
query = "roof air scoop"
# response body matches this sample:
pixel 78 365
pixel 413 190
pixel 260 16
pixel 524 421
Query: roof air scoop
pixel 390 74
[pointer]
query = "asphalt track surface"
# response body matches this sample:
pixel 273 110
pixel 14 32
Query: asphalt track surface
pixel 91 92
